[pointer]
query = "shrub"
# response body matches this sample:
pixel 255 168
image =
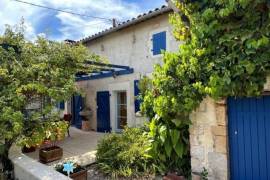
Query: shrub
pixel 125 154
pixel 170 146
pixel 168 134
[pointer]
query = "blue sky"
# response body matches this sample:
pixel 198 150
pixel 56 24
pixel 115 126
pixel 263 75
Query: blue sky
pixel 59 26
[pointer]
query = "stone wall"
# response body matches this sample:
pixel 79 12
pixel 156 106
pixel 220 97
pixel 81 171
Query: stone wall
pixel 26 168
pixel 208 139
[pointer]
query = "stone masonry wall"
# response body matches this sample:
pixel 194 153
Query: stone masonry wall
pixel 208 139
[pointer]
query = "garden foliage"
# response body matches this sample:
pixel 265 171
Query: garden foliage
pixel 34 75
pixel 126 154
pixel 225 52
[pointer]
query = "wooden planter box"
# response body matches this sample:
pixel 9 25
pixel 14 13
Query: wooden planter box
pixel 81 175
pixel 50 154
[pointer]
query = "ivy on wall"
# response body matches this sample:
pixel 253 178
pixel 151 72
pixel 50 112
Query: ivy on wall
pixel 226 52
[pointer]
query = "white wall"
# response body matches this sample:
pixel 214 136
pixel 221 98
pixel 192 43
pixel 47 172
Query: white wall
pixel 131 47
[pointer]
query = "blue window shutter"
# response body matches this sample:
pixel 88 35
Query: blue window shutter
pixel 159 42
pixel 62 105
pixel 136 94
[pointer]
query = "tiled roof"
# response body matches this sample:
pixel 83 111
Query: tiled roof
pixel 125 24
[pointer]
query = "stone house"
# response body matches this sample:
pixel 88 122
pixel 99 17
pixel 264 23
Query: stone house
pixel 230 138
pixel 132 49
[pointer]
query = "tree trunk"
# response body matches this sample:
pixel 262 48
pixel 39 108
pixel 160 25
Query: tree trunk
pixel 6 162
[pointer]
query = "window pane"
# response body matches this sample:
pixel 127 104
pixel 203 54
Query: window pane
pixel 122 123
pixel 121 109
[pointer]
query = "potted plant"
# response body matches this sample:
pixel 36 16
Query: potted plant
pixel 77 173
pixel 50 151
pixel 26 149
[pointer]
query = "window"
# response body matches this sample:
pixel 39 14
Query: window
pixel 121 109
pixel 159 42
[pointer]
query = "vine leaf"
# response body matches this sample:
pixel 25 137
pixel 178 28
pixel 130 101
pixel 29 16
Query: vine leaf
pixel 168 147
pixel 175 134
pixel 179 149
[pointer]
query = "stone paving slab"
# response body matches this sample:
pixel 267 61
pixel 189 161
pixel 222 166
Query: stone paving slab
pixel 80 147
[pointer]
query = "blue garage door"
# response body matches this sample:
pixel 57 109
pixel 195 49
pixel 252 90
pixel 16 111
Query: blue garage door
pixel 249 138
pixel 103 111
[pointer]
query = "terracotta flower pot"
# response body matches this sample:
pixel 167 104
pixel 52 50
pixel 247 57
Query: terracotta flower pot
pixel 50 154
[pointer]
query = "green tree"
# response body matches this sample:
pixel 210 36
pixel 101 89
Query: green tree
pixel 225 52
pixel 41 72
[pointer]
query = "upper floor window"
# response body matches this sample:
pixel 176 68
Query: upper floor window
pixel 159 42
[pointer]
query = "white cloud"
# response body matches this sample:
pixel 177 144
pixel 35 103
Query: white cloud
pixel 72 26
pixel 75 26
pixel 78 27
pixel 12 14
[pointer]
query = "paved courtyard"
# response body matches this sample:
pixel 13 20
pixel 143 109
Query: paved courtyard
pixel 80 147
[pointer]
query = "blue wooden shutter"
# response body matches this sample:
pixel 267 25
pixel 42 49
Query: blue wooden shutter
pixel 137 102
pixel 62 105
pixel 159 42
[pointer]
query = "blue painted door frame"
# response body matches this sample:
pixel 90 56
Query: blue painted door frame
pixel 103 111
pixel 77 107
pixel 249 138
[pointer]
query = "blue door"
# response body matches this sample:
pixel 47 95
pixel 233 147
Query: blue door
pixel 103 111
pixel 77 107
pixel 249 138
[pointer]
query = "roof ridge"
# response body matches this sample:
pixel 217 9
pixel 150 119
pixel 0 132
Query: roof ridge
pixel 124 24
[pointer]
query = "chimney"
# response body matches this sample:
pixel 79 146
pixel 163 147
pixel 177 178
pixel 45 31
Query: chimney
pixel 114 22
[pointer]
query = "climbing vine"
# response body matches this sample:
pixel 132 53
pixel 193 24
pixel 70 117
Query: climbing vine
pixel 225 52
